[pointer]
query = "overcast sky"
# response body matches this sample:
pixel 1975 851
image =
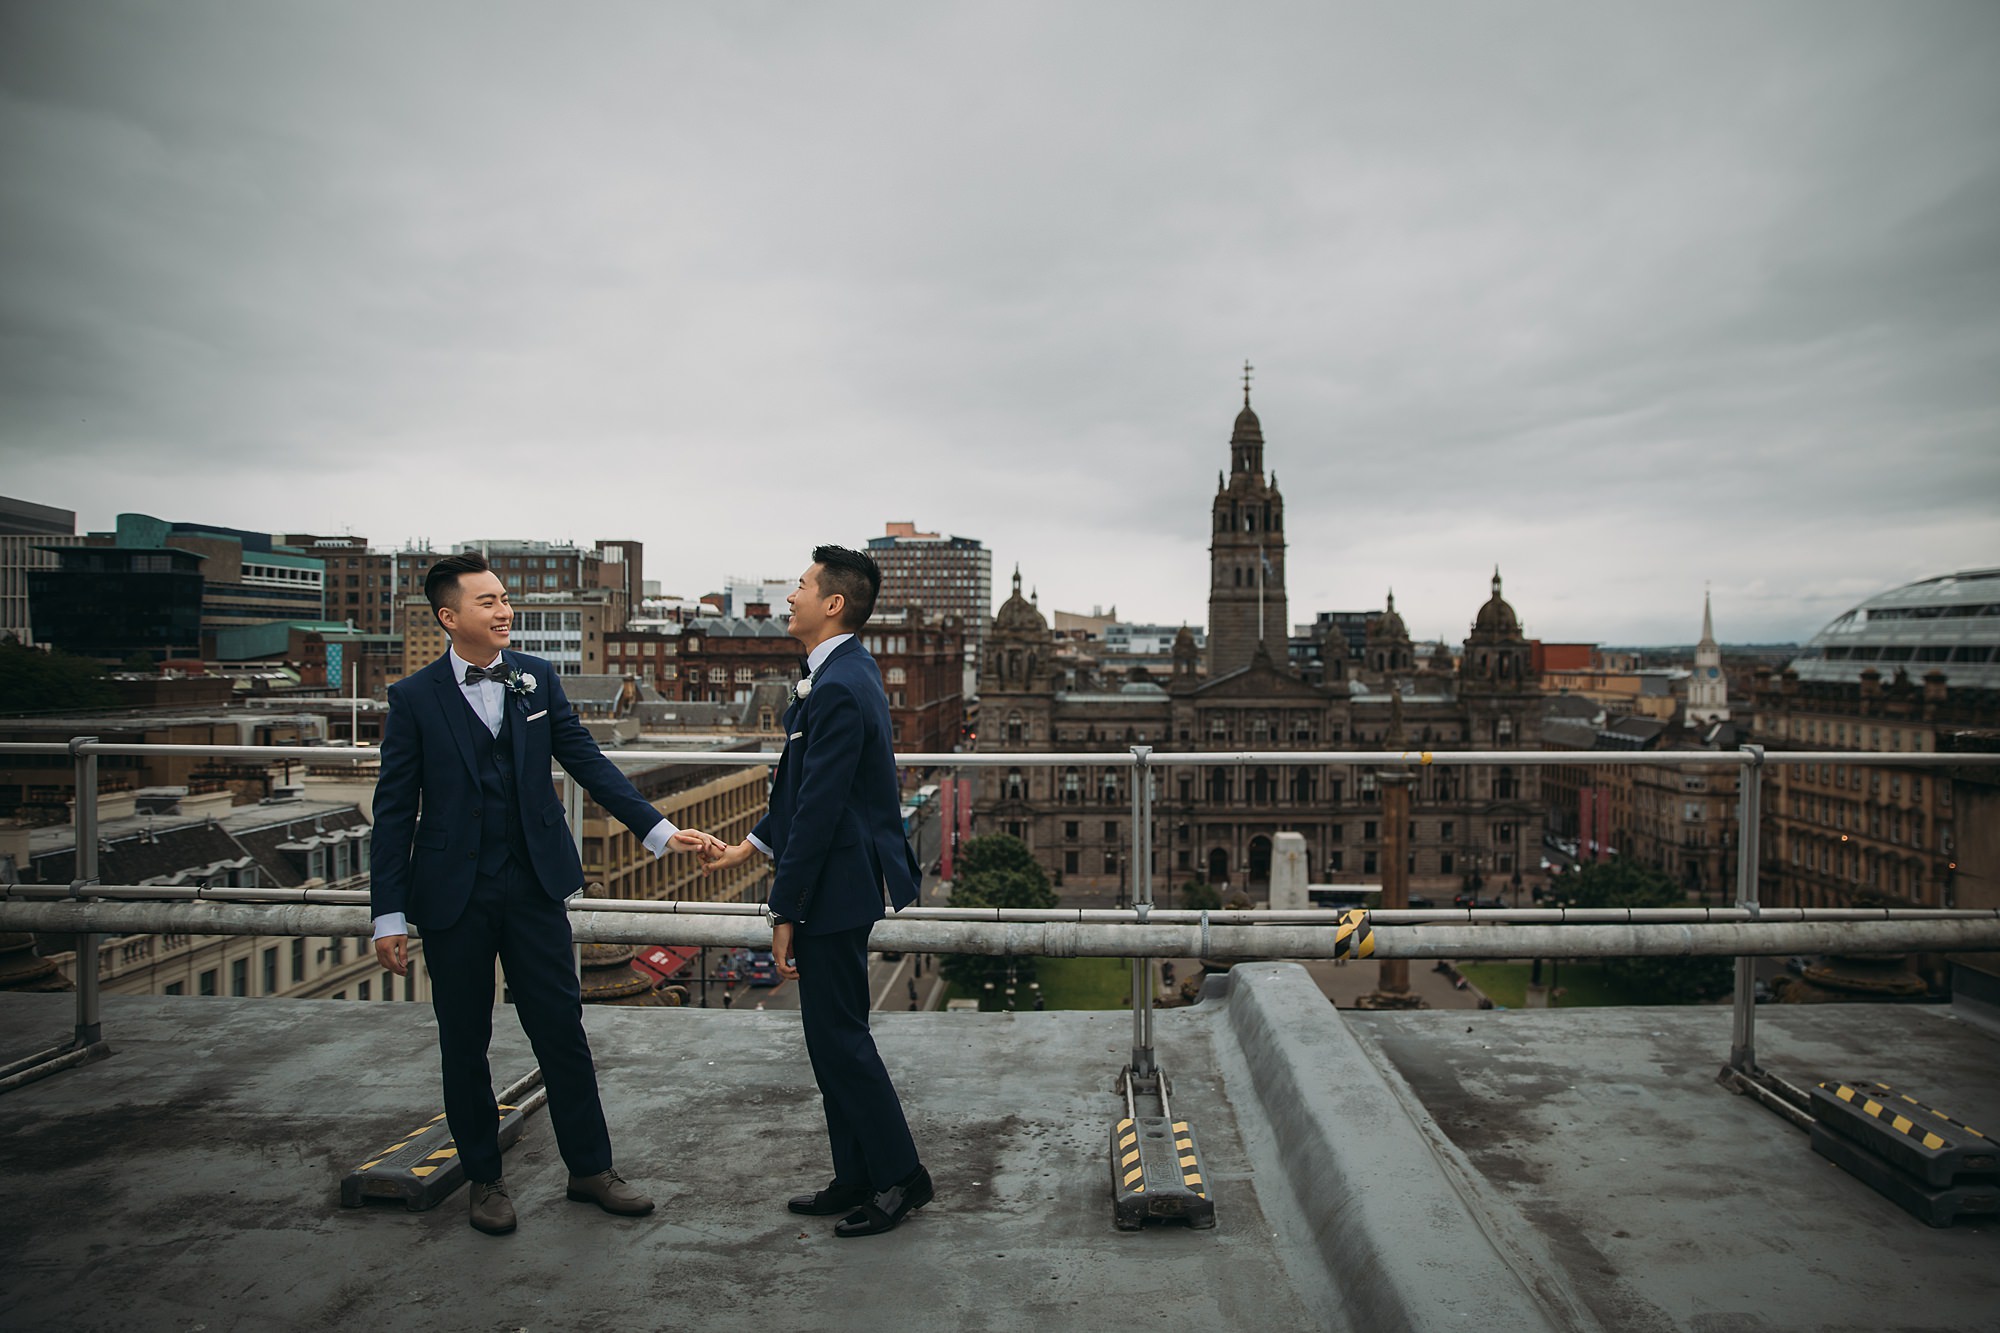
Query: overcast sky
pixel 1628 300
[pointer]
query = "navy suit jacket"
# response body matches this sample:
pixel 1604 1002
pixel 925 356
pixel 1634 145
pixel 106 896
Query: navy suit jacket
pixel 835 825
pixel 426 838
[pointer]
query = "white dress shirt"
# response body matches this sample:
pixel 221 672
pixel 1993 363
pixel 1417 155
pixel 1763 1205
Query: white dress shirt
pixel 488 698
pixel 814 661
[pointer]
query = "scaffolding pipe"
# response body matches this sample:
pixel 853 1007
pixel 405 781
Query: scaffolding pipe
pixel 1155 939
pixel 1312 916
pixel 89 1007
pixel 1120 758
pixel 1749 835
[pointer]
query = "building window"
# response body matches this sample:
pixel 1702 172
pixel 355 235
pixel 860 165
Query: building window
pixel 1070 862
pixel 298 961
pixel 205 983
pixel 388 985
pixel 1368 831
pixel 1444 863
pixel 271 970
pixel 175 988
pixel 1016 786
pixel 1368 863
pixel 1111 863
pixel 1071 830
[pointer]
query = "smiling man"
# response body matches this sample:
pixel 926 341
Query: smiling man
pixel 470 844
pixel 835 835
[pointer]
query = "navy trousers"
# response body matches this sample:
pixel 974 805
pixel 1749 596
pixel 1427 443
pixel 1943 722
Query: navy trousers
pixel 864 1120
pixel 511 918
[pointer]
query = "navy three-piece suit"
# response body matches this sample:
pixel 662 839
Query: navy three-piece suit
pixel 471 845
pixel 835 832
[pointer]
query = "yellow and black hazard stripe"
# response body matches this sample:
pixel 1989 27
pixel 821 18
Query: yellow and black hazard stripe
pixel 1917 1127
pixel 1354 937
pixel 432 1161
pixel 408 1139
pixel 1131 1173
pixel 1190 1163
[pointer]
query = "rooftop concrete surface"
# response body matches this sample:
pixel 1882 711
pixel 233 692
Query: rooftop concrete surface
pixel 1466 1169
pixel 192 1179
pixel 1603 1151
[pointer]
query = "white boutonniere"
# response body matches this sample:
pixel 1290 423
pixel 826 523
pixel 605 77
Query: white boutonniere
pixel 801 690
pixel 521 683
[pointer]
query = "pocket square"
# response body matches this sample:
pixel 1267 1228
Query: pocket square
pixel 532 716
pixel 795 735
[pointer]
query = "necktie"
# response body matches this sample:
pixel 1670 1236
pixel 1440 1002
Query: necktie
pixel 497 672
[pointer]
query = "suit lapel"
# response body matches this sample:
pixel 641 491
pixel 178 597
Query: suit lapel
pixel 458 714
pixel 513 724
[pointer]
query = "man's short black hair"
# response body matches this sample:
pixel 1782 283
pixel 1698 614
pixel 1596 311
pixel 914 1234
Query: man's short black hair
pixel 441 584
pixel 854 576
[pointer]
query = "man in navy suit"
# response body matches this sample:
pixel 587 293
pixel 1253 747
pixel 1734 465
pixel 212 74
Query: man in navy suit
pixel 835 832
pixel 471 845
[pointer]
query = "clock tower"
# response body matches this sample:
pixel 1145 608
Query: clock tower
pixel 1708 691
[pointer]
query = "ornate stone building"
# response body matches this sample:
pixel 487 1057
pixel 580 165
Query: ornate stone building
pixel 1218 822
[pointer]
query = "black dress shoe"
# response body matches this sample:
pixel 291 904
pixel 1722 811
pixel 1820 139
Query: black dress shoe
pixel 835 1198
pixel 889 1207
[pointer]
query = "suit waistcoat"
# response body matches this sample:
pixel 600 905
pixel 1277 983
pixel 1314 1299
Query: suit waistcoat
pixel 499 796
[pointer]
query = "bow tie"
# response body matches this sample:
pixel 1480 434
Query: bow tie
pixel 499 672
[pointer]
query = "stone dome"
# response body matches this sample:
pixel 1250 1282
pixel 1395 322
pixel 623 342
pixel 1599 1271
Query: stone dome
pixel 1019 615
pixel 1389 625
pixel 1496 617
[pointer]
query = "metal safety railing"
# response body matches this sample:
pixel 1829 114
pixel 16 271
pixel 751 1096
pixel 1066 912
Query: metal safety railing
pixel 1141 932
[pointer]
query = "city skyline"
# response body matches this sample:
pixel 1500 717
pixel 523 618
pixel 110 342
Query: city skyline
pixel 1634 305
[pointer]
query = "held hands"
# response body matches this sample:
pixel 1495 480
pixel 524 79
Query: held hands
pixel 694 840
pixel 719 855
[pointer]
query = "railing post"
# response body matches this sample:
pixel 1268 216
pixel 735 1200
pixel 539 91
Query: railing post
pixel 89 1010
pixel 1141 861
pixel 1749 801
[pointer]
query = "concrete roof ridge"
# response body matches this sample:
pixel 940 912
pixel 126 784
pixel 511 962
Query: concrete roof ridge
pixel 1406 1253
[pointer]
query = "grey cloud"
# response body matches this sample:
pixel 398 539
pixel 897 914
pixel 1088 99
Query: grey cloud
pixel 1626 301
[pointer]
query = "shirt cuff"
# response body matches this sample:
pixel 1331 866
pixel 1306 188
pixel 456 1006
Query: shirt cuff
pixel 656 841
pixel 390 923
pixel 758 843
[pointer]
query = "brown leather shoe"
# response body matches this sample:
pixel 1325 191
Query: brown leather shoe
pixel 492 1210
pixel 611 1192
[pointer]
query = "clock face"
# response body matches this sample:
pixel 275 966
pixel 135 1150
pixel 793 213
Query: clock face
pixel 1714 672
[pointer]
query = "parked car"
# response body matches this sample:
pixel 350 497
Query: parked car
pixel 761 970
